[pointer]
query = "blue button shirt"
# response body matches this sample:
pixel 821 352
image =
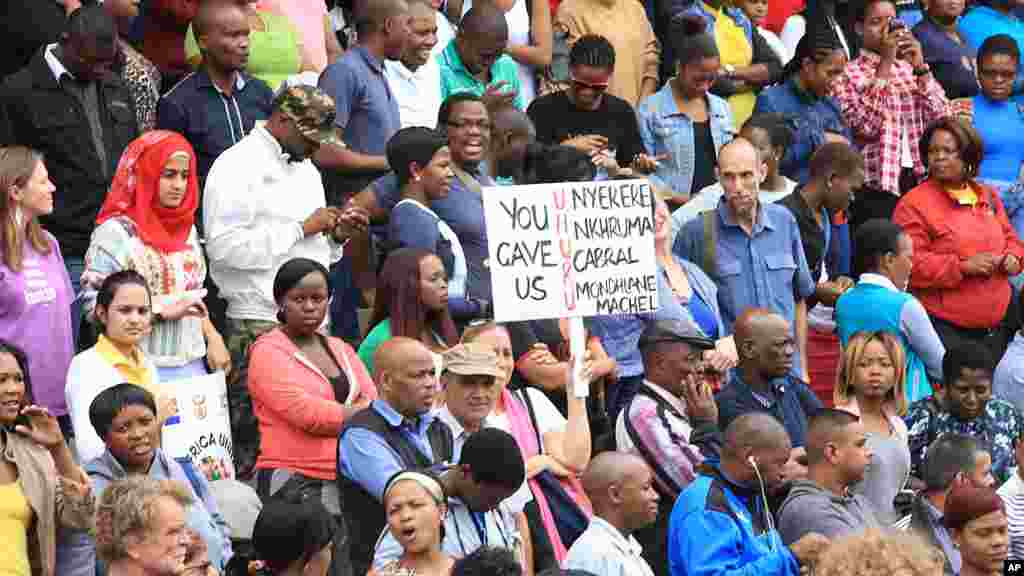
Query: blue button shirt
pixel 367 112
pixel 764 270
pixel 369 461
pixel 808 117
pixel 211 120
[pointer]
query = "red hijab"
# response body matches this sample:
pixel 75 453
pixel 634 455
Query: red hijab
pixel 134 192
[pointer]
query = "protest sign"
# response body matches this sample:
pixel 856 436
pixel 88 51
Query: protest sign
pixel 571 250
pixel 199 428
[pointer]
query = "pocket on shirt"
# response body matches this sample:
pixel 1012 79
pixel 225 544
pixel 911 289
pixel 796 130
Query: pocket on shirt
pixel 781 270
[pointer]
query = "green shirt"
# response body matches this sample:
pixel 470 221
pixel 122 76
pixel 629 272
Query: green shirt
pixel 456 78
pixel 380 334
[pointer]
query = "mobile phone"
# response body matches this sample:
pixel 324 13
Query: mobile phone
pixel 896 24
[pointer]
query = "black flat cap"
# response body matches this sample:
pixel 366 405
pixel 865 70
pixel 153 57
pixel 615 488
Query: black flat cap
pixel 675 331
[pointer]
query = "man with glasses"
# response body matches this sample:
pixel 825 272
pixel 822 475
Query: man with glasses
pixel 672 422
pixel 475 60
pixel 586 117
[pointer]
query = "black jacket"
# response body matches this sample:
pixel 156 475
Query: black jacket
pixel 36 112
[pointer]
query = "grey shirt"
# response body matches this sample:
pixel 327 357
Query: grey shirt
pixel 810 508
pixel 886 476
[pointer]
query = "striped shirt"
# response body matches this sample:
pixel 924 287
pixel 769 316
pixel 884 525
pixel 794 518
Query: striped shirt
pixel 1012 493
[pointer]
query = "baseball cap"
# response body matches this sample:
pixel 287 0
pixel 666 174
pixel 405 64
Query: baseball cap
pixel 312 111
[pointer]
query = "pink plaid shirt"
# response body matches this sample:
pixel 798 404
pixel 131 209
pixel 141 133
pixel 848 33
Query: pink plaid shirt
pixel 877 110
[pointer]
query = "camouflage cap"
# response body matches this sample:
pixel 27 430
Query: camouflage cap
pixel 312 111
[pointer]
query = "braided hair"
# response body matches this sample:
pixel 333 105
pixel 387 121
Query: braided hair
pixel 818 43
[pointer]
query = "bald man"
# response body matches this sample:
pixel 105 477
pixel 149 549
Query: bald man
pixel 475 60
pixel 621 488
pixel 763 380
pixel 511 132
pixel 837 456
pixel 397 432
pixel 721 521
pixel 757 258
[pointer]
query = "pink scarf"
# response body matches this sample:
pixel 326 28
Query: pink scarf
pixel 526 437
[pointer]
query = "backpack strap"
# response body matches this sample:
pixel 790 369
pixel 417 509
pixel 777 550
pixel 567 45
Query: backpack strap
pixel 710 261
pixel 525 395
pixel 441 442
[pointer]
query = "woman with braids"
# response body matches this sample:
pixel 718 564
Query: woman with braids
pixel 683 123
pixel 803 98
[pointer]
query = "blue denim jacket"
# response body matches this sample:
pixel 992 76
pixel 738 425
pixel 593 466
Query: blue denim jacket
pixel 665 130
pixel 808 117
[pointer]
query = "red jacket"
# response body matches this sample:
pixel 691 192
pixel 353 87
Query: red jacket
pixel 294 402
pixel 945 234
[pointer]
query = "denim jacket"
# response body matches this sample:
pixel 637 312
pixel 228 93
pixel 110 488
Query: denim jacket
pixel 665 130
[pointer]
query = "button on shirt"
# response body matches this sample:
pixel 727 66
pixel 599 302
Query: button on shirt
pixel 766 269
pixel 456 78
pixel 418 93
pixel 367 112
pixel 369 461
pixel 605 551
pixel 211 120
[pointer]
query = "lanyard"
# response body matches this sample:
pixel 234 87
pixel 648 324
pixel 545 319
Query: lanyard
pixel 480 523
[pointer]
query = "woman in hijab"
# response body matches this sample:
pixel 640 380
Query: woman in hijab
pixel 147 224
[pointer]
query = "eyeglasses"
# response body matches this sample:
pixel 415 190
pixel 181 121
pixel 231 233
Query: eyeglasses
pixel 597 87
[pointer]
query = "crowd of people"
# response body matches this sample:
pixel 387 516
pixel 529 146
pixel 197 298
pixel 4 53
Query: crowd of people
pixel 289 193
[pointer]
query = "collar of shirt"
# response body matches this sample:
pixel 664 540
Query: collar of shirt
pixel 454 61
pixel 419 425
pixel 261 132
pixel 679 403
pixel 878 280
pixel 203 80
pixel 626 544
pixel 458 430
pixel 133 369
pixel 764 219
pixel 371 61
pixel 56 66
pixel 777 386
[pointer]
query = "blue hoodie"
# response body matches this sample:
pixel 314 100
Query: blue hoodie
pixel 718 528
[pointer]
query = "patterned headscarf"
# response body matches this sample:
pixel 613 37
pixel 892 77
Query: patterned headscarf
pixel 134 192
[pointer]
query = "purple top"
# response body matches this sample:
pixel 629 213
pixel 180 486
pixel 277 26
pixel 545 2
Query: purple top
pixel 35 315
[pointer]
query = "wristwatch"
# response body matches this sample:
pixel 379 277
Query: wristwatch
pixel 729 69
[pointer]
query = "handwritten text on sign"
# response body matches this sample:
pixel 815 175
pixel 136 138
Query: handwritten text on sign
pixel 572 249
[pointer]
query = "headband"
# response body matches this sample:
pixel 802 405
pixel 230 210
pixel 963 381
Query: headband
pixel 430 484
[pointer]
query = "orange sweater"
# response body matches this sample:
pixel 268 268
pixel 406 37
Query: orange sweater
pixel 294 402
pixel 945 234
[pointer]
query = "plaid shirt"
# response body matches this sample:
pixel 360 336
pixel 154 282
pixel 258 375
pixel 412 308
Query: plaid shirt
pixel 877 110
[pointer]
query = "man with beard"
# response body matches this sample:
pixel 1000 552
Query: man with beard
pixel 415 78
pixel 837 456
pixel 264 204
